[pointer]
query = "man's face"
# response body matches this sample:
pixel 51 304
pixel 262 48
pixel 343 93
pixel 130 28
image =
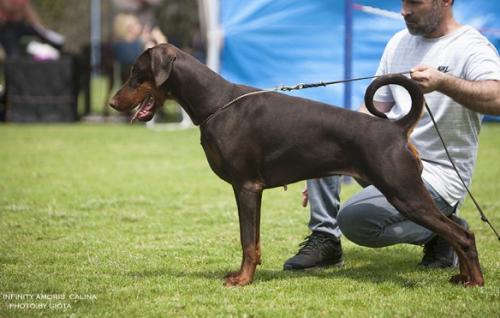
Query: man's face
pixel 422 17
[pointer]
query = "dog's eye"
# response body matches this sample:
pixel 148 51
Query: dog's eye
pixel 134 82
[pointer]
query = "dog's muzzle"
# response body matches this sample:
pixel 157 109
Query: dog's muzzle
pixel 146 109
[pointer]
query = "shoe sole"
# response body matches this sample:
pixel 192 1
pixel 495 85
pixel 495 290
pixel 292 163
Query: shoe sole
pixel 436 265
pixel 317 266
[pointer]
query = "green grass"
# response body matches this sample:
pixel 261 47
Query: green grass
pixel 136 219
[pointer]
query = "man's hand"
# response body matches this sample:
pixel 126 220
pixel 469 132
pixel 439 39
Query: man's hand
pixel 428 78
pixel 305 197
pixel 479 96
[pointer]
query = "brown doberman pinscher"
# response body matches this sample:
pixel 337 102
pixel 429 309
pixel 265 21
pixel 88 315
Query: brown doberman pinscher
pixel 265 140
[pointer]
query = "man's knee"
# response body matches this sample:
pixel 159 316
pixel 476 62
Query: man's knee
pixel 357 225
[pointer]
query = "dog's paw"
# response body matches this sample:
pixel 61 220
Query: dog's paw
pixel 466 281
pixel 474 283
pixel 236 280
pixel 459 279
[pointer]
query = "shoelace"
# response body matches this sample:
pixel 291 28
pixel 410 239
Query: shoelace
pixel 311 242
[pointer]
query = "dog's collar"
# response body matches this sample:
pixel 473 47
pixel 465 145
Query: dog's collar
pixel 231 102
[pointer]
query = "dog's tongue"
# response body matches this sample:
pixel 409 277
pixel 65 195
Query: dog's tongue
pixel 145 111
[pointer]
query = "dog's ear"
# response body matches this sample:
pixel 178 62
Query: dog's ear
pixel 162 59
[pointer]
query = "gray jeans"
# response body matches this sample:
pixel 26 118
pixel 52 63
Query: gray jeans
pixel 367 218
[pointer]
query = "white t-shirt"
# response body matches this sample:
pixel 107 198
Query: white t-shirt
pixel 463 53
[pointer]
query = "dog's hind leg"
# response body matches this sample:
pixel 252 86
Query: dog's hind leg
pixel 248 198
pixel 416 204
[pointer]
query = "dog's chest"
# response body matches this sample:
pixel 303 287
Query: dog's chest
pixel 214 158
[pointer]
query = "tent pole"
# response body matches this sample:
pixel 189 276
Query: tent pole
pixel 348 52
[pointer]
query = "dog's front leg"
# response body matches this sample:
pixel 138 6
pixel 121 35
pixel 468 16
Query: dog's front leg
pixel 248 199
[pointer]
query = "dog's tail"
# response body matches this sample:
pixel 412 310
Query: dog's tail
pixel 408 121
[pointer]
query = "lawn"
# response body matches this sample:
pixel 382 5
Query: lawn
pixel 122 221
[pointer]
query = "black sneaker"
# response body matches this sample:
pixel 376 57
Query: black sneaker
pixel 438 253
pixel 319 249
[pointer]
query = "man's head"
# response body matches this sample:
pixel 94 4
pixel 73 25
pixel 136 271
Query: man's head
pixel 428 18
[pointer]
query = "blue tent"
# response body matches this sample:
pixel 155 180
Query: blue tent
pixel 266 43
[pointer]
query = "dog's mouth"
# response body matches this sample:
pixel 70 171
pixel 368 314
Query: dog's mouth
pixel 145 110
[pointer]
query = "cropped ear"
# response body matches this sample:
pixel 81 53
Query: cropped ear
pixel 162 59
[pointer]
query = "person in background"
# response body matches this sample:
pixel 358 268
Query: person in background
pixel 144 10
pixel 127 41
pixel 134 30
pixel 19 19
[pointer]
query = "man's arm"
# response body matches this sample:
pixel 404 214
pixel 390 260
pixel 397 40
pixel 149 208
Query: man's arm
pixel 31 16
pixel 479 96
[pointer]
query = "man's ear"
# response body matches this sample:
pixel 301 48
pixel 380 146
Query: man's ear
pixel 162 59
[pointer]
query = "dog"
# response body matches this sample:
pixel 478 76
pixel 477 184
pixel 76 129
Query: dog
pixel 257 140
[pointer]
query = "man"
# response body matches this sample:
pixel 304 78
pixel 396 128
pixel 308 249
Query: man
pixel 459 72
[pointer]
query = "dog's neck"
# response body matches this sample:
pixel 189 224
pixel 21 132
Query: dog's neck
pixel 198 89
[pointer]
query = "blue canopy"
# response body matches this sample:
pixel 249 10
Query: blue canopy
pixel 273 42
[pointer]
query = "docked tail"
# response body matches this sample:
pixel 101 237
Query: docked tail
pixel 408 121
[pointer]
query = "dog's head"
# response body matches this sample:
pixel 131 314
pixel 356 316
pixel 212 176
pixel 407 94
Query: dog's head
pixel 142 90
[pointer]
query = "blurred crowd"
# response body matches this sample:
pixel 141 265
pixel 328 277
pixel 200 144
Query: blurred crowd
pixel 132 28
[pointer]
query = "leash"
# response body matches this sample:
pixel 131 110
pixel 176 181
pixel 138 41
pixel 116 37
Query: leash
pixel 483 216
pixel 283 88
pixel 226 105
pixel 324 84
pixel 300 86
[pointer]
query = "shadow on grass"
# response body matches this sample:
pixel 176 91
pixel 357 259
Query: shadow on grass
pixel 361 265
